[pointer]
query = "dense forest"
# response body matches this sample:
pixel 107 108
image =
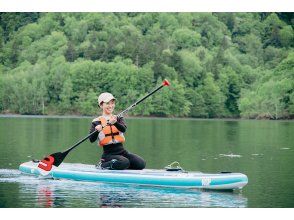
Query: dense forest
pixel 220 65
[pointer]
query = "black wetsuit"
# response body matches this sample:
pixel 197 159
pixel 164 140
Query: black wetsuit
pixel 114 155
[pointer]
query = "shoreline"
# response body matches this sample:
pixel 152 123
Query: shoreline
pixel 138 117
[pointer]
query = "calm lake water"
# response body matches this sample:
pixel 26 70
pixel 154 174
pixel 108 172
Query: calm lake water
pixel 263 150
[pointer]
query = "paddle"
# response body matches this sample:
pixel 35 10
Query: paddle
pixel 56 159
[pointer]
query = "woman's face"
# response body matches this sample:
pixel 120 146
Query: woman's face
pixel 108 107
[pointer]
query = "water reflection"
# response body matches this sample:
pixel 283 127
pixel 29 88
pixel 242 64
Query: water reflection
pixel 68 194
pixel 36 192
pixel 45 197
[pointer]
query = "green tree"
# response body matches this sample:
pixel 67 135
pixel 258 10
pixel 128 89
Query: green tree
pixel 272 26
pixel 230 84
pixel 26 96
pixel 271 96
pixel 180 104
pixel 12 22
pixel 287 36
pixel 1 45
pixel 51 45
pixel 272 56
pixel 66 95
pixel 213 98
pixel 251 45
pixel 168 22
pixel 87 103
pixel 186 38
pixel 248 104
pixel 2 94
pixel 198 107
pixel 59 71
pixel 162 102
pixel 210 29
pixel 191 70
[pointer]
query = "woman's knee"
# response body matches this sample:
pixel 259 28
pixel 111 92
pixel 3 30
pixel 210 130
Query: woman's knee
pixel 138 164
pixel 141 164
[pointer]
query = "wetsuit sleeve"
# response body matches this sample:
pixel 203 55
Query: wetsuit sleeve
pixel 120 125
pixel 94 136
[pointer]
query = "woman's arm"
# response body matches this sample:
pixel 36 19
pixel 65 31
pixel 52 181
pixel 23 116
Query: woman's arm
pixel 94 136
pixel 120 124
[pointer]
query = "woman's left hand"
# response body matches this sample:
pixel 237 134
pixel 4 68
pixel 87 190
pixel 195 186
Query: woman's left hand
pixel 113 119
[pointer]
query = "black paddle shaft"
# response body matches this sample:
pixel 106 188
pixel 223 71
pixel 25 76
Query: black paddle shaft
pixel 79 142
pixel 59 156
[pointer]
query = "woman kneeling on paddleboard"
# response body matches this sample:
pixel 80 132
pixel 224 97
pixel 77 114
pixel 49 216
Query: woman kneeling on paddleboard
pixel 111 138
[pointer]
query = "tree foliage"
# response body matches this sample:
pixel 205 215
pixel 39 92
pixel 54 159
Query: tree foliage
pixel 219 64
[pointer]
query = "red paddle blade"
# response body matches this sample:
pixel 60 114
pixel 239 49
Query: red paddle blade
pixel 165 83
pixel 46 164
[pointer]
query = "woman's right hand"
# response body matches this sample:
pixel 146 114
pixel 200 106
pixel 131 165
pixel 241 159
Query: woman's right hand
pixel 98 128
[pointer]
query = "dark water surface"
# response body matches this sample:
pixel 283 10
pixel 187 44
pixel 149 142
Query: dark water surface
pixel 263 150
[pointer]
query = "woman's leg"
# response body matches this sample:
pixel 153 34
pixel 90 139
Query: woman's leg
pixel 136 162
pixel 114 162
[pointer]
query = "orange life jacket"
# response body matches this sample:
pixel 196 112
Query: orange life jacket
pixel 109 134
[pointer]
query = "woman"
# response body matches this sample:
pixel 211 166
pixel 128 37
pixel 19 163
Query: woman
pixel 110 136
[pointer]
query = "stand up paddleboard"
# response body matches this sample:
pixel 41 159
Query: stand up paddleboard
pixel 151 177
